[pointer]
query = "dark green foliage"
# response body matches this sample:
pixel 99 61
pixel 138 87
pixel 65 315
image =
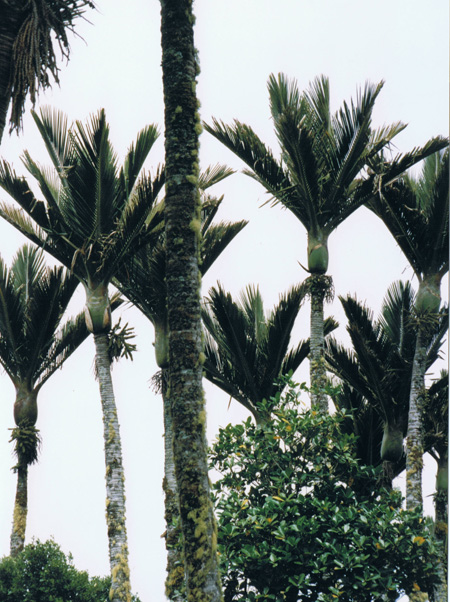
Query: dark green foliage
pixel 42 573
pixel 301 519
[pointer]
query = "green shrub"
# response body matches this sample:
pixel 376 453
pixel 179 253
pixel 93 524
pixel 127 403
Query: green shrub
pixel 300 519
pixel 42 573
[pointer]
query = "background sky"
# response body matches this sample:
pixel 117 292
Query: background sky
pixel 117 66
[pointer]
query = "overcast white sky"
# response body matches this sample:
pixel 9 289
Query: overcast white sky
pixel 240 43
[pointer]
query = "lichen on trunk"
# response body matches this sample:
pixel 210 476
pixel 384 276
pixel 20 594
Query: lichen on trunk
pixel 175 578
pixel 182 220
pixel 20 512
pixel 414 443
pixel 320 288
pixel 115 478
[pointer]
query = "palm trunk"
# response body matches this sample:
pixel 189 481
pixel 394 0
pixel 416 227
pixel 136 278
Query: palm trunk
pixel 115 489
pixel 414 444
pixel 319 287
pixel 183 228
pixel 175 581
pixel 20 512
pixel 441 526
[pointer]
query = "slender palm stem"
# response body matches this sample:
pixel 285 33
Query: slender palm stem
pixel 115 478
pixel 20 511
pixel 319 286
pixel 414 444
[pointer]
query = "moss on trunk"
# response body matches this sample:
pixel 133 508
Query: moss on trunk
pixel 320 287
pixel 182 219
pixel 115 478
pixel 20 512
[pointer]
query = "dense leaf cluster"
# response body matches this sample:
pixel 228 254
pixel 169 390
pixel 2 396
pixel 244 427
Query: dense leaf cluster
pixel 42 573
pixel 301 519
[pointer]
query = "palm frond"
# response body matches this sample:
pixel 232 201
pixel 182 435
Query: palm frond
pixel 216 239
pixel 135 158
pixel 41 24
pixel 229 327
pixel 419 224
pixel 213 174
pixel 243 141
pixel 19 190
pixel 395 318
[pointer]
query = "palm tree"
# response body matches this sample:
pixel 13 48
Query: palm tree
pixel 377 372
pixel 319 177
pixel 183 234
pixel 415 210
pixel 92 216
pixel 28 32
pixel 33 345
pixel 247 351
pixel 143 280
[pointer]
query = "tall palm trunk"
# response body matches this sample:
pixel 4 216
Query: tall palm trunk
pixel 183 228
pixel 414 443
pixel 319 289
pixel 27 441
pixel 175 582
pixel 115 489
pixel 20 511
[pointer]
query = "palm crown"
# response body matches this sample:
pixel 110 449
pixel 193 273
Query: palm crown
pixel 416 212
pixel 379 367
pixel 320 174
pixel 93 213
pixel 246 349
pixel 34 297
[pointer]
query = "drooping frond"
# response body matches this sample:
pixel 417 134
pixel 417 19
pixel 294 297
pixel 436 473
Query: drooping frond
pixel 40 24
pixel 243 141
pixel 215 240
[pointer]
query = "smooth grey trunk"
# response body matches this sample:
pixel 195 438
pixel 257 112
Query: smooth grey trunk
pixel 20 512
pixel 319 285
pixel 115 478
pixel 414 443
